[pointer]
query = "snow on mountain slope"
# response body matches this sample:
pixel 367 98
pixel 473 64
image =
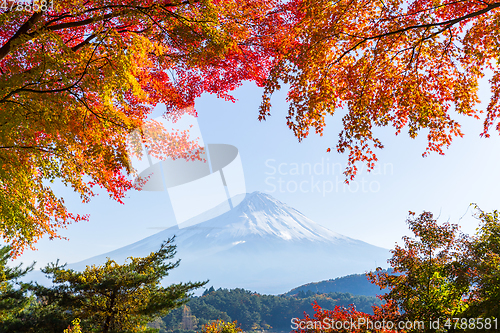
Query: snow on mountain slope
pixel 262 245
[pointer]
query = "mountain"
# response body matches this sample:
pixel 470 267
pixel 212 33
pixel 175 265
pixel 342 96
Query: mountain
pixel 262 245
pixel 355 284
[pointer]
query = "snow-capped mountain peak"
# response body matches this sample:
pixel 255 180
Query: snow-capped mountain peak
pixel 261 215
pixel 261 244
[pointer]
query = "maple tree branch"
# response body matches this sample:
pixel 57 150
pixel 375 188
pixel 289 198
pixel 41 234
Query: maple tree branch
pixel 158 24
pixel 103 8
pixel 84 43
pixel 21 147
pixel 45 150
pixel 427 9
pixel 5 49
pixel 88 21
pixel 67 88
pixel 23 30
pixel 126 10
pixel 90 10
pixel 122 30
pixel 21 105
pixel 24 88
pixel 447 24
pixel 446 48
pixel 98 116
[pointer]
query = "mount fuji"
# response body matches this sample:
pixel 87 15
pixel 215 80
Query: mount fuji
pixel 262 244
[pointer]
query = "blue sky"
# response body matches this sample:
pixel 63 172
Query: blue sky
pixel 373 209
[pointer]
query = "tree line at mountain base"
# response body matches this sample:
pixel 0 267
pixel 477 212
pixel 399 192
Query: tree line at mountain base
pixel 253 311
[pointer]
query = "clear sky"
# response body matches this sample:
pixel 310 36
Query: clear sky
pixel 373 209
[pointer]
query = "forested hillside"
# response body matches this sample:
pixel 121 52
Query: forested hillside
pixel 356 284
pixel 253 311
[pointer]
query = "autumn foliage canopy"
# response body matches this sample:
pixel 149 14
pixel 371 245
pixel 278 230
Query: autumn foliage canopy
pixel 77 78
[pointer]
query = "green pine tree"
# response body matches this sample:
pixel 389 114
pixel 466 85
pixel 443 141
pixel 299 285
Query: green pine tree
pixel 112 297
pixel 12 293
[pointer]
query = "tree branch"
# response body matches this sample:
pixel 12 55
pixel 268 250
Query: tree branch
pixel 5 49
pixel 447 25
